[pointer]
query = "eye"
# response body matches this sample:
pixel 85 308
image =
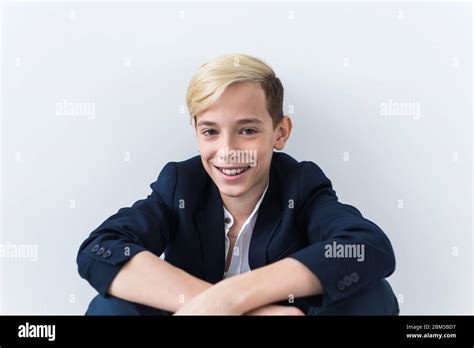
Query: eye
pixel 209 132
pixel 249 131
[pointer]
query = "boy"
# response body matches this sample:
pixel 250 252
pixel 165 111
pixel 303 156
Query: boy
pixel 244 229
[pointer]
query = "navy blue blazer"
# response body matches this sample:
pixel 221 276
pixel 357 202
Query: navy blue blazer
pixel 299 216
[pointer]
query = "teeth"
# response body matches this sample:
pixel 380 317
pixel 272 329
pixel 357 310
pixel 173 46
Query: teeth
pixel 232 171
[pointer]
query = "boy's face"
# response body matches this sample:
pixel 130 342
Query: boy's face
pixel 236 139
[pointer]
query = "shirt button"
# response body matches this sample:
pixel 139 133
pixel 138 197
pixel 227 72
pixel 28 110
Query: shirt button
pixel 227 220
pixel 236 251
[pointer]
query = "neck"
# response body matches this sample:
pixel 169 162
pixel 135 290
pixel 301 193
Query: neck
pixel 241 207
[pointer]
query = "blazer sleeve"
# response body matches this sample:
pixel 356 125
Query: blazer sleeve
pixel 146 225
pixel 326 221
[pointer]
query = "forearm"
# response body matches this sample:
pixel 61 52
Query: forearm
pixel 275 282
pixel 149 280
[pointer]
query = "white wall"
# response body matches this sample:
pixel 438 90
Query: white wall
pixel 339 62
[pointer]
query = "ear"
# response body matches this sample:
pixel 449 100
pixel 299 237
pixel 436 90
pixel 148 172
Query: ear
pixel 282 132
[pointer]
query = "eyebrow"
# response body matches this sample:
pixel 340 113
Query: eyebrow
pixel 241 121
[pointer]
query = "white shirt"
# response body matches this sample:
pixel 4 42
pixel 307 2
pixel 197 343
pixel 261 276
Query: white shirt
pixel 239 262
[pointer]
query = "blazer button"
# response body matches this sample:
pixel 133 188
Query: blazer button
pixel 107 254
pixel 354 277
pixel 100 251
pixel 340 285
pixel 95 248
pixel 347 281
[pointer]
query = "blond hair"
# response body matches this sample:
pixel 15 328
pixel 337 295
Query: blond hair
pixel 214 76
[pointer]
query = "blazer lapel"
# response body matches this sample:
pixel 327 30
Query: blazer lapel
pixel 268 218
pixel 209 221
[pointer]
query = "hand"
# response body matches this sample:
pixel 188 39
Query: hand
pixel 276 310
pixel 217 300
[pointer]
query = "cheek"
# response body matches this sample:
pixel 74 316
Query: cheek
pixel 204 150
pixel 266 157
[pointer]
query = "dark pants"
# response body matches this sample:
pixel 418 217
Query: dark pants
pixel 378 299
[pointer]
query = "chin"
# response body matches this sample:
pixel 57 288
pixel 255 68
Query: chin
pixel 232 191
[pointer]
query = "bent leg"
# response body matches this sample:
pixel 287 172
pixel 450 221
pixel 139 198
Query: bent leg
pixel 112 305
pixel 379 299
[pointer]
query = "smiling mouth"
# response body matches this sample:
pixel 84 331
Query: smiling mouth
pixel 233 170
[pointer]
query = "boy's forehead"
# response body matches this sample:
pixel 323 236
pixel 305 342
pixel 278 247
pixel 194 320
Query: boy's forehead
pixel 243 101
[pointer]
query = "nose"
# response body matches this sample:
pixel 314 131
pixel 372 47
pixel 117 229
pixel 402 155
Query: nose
pixel 228 141
pixel 227 145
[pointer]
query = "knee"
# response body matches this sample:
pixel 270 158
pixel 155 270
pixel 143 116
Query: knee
pixel 388 298
pixel 111 305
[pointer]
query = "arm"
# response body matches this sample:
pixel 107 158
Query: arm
pixel 121 256
pixel 309 271
pixel 256 290
pixel 147 225
pixel 327 222
pixel 151 281
pixel 281 280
